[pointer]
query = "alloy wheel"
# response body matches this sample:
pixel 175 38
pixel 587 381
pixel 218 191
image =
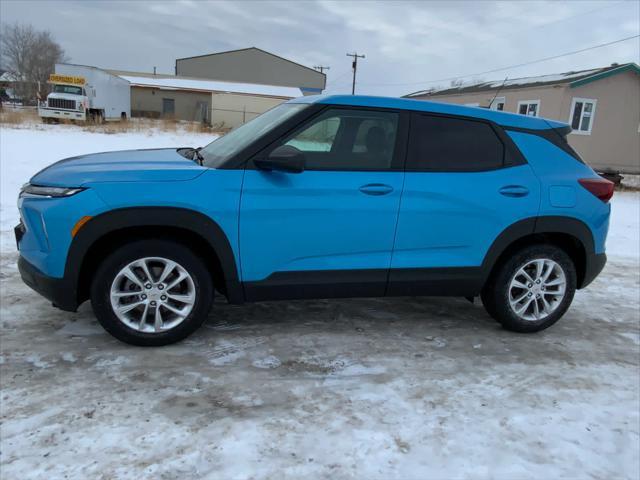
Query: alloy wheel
pixel 537 289
pixel 152 294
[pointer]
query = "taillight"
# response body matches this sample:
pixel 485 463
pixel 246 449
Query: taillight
pixel 600 187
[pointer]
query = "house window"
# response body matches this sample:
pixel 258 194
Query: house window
pixel 582 113
pixel 498 103
pixel 529 107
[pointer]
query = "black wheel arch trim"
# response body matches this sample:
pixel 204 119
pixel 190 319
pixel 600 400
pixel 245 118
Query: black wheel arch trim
pixel 540 225
pixel 174 217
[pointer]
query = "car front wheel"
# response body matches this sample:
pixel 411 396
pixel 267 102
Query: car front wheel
pixel 152 292
pixel 532 289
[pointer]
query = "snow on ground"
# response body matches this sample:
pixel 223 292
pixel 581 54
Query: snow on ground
pixel 365 388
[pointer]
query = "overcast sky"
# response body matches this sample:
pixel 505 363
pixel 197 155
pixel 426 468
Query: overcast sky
pixel 407 43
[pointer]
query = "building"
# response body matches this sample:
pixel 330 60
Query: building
pixel 224 104
pixel 253 65
pixel 7 81
pixel 602 105
pixel 221 103
pixel 224 89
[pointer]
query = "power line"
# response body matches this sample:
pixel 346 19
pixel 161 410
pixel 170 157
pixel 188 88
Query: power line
pixel 502 68
pixel 334 80
pixel 355 69
pixel 321 69
pixel 581 14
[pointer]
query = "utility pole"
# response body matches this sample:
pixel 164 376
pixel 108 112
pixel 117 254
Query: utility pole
pixel 321 69
pixel 354 65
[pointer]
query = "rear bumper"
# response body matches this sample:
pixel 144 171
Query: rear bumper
pixel 593 266
pixel 58 290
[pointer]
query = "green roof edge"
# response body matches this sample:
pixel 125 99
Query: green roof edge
pixel 599 76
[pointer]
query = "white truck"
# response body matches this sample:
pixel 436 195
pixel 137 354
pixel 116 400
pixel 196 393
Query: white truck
pixel 86 94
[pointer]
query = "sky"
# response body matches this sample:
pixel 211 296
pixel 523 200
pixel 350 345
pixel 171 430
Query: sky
pixel 409 46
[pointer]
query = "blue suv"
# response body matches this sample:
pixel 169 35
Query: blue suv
pixel 320 197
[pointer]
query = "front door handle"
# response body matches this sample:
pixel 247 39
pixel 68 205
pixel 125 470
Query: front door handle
pixel 514 191
pixel 376 189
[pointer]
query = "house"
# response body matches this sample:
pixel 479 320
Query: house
pixel 9 83
pixel 602 105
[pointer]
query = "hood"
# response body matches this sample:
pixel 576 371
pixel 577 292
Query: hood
pixel 158 165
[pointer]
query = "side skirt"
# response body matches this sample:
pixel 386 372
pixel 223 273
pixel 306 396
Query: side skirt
pixel 456 282
pixel 441 282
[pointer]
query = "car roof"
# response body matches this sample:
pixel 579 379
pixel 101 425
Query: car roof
pixel 501 118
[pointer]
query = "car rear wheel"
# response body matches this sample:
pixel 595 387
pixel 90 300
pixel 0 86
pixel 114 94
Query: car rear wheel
pixel 151 293
pixel 532 289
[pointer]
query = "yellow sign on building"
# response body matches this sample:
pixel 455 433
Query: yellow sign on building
pixel 68 79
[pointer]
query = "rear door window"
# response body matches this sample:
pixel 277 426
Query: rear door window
pixel 446 144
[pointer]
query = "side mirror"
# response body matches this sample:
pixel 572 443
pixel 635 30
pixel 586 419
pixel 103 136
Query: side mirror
pixel 284 158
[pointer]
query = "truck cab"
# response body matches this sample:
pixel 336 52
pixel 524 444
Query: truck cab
pixel 68 99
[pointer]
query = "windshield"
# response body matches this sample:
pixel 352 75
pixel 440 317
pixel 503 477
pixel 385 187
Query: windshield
pixel 71 89
pixel 223 148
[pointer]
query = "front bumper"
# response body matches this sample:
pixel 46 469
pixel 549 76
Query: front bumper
pixel 593 266
pixel 58 290
pixel 46 112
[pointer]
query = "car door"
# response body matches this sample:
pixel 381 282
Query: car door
pixel 327 231
pixel 465 183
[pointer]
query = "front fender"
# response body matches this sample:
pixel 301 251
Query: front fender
pixel 133 217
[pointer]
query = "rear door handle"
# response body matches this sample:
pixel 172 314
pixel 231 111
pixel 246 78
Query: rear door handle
pixel 514 191
pixel 376 189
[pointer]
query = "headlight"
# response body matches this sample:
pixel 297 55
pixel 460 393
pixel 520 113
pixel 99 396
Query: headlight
pixel 51 192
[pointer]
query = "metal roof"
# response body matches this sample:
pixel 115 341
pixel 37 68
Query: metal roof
pixel 574 78
pixel 169 82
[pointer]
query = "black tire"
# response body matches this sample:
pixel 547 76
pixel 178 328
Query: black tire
pixel 495 294
pixel 109 268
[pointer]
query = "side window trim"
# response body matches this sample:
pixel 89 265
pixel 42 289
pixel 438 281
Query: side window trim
pixel 512 156
pixel 400 147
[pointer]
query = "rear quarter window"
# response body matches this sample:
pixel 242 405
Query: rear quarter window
pixel 443 144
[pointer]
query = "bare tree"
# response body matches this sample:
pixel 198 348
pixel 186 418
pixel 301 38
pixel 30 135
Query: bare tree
pixel 30 56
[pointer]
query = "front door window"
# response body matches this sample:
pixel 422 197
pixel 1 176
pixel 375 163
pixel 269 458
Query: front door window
pixel 343 140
